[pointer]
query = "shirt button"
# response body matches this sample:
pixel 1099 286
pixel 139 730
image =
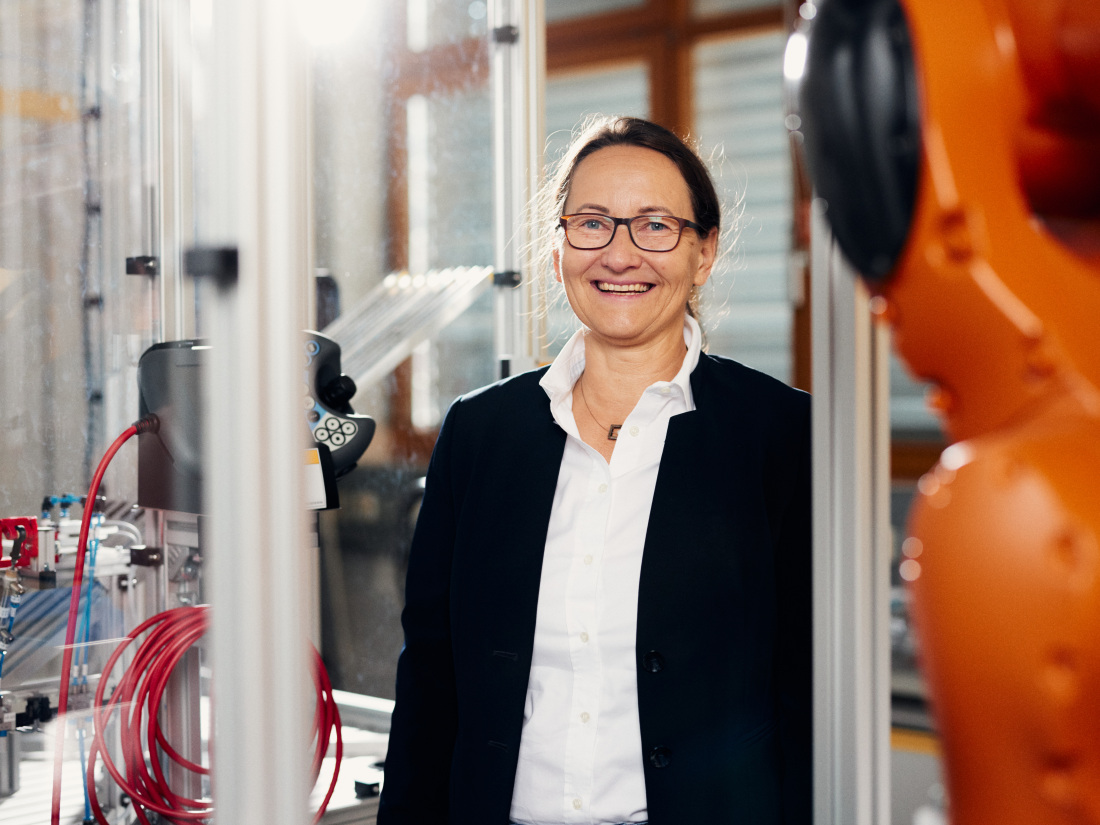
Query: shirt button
pixel 588 559
pixel 665 390
pixel 585 717
pixel 635 430
pixel 584 636
pixel 602 488
pixel 577 804
pixel 660 757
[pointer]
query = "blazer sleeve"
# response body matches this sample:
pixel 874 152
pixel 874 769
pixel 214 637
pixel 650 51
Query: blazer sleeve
pixel 425 720
pixel 794 649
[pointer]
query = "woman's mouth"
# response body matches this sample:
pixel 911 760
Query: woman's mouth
pixel 605 286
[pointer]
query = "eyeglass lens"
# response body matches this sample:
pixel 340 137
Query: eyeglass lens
pixel 654 233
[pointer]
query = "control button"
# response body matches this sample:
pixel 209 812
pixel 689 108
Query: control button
pixel 337 440
pixel 660 757
pixel 321 434
pixel 309 403
pixel 653 661
pixel 348 428
pixel 584 636
pixel 313 416
pixel 635 430
pixel 332 423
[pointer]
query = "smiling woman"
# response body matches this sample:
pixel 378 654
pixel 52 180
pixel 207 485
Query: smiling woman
pixel 608 602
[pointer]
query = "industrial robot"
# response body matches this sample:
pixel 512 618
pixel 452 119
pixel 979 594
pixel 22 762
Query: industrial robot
pixel 956 144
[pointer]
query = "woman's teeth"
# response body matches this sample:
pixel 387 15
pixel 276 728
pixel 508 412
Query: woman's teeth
pixel 603 286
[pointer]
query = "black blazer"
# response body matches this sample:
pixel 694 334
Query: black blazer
pixel 724 606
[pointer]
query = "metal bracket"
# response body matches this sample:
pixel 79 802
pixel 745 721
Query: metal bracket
pixel 219 263
pixel 508 277
pixel 505 34
pixel 143 265
pixel 144 556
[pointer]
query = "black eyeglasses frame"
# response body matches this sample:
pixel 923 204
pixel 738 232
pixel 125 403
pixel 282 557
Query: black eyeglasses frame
pixel 617 222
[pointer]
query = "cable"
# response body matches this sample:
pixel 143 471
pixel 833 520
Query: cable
pixel 80 677
pixel 147 424
pixel 138 695
pixel 137 699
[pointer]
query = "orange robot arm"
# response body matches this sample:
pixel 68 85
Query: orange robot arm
pixel 979 226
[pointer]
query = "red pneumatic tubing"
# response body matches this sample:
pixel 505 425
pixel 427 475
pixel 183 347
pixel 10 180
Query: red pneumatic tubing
pixel 138 696
pixel 144 425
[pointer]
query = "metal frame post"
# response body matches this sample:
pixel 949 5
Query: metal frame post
pixel 851 544
pixel 517 68
pixel 256 207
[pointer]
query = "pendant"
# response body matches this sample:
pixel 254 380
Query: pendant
pixel 612 432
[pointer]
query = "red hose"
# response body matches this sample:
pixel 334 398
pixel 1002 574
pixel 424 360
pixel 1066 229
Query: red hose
pixel 74 606
pixel 139 694
pixel 137 699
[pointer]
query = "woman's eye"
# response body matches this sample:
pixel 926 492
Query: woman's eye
pixel 593 224
pixel 656 226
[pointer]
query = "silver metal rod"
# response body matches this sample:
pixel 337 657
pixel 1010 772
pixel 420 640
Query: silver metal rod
pixel 517 67
pixel 255 436
pixel 851 545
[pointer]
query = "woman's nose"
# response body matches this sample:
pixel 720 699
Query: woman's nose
pixel 621 252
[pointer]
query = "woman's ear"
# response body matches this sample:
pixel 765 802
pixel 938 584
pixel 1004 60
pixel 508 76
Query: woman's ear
pixel 556 256
pixel 708 252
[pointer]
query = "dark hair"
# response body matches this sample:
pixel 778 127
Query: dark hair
pixel 633 131
pixel 602 132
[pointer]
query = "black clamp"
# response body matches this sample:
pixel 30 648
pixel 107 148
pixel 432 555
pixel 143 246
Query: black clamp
pixel 219 263
pixel 142 265
pixel 506 34
pixel 509 277
pixel 143 556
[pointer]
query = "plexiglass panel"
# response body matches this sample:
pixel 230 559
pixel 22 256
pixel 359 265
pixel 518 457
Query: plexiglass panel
pixel 72 324
pixel 435 22
pixel 558 10
pixel 739 109
pixel 702 8
pixel 403 186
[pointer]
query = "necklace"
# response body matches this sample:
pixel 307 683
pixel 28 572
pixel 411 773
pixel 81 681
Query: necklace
pixel 612 431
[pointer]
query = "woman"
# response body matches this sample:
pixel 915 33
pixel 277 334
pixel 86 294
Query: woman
pixel 608 602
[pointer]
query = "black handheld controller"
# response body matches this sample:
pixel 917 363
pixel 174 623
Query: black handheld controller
pixel 328 393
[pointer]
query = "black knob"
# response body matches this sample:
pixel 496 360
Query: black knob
pixel 338 392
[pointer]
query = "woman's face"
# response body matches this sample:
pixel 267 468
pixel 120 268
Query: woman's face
pixel 624 295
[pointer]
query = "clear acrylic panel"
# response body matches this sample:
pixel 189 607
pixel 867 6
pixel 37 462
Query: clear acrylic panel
pixel 702 8
pixel 402 191
pixel 559 10
pixel 72 324
pixel 747 307
pixel 433 22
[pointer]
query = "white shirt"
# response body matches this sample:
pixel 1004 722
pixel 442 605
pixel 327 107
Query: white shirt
pixel 580 756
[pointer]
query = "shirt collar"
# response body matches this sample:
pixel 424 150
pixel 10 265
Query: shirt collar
pixel 567 368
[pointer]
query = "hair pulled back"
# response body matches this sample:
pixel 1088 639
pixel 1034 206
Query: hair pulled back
pixel 605 131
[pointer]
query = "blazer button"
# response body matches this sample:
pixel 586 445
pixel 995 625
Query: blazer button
pixel 653 661
pixel 660 757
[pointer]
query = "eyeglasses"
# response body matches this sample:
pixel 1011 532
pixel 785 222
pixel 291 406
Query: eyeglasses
pixel 650 233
